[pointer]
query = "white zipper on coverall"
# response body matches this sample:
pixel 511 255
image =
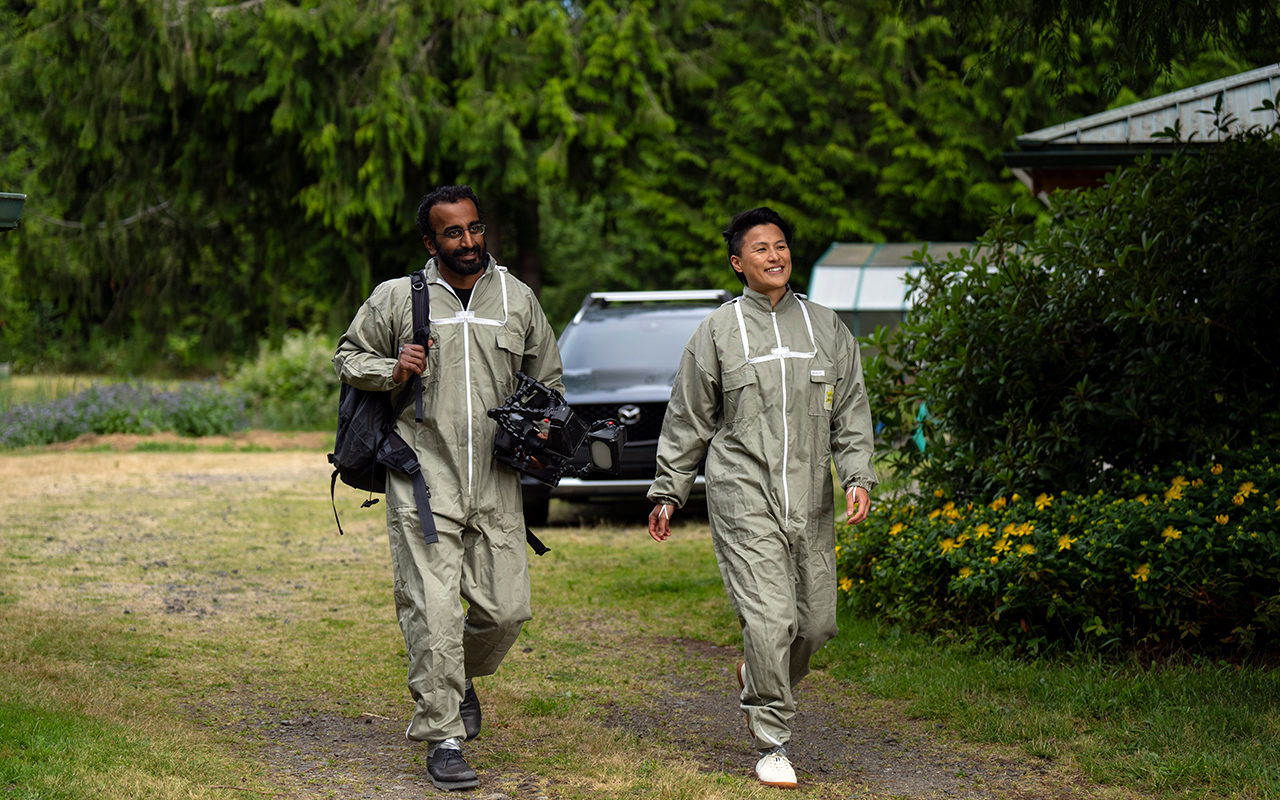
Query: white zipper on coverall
pixel 779 353
pixel 466 318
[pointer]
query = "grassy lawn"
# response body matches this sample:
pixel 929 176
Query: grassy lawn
pixel 163 615
pixel 1195 729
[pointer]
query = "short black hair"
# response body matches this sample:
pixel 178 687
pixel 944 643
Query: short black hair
pixel 444 195
pixel 744 221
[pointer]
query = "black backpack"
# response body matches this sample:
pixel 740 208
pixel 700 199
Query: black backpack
pixel 367 444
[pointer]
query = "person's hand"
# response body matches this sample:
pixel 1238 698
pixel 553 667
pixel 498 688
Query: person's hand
pixel 859 500
pixel 534 461
pixel 412 361
pixel 660 522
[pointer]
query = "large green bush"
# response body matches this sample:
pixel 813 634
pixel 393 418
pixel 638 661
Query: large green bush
pixel 292 386
pixel 1136 328
pixel 1187 556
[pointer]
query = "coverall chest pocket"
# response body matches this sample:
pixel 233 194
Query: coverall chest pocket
pixel 512 346
pixel 742 402
pixel 822 390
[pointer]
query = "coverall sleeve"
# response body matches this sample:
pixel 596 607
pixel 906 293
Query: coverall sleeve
pixel 366 352
pixel 692 419
pixel 852 436
pixel 541 353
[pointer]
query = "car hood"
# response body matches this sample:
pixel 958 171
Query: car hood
pixel 580 389
pixel 620 385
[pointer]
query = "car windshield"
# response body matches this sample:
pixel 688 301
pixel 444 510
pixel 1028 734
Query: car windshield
pixel 626 347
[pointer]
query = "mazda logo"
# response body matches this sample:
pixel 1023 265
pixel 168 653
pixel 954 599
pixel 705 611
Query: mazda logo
pixel 629 414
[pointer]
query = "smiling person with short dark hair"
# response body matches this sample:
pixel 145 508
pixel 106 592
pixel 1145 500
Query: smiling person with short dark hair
pixel 769 390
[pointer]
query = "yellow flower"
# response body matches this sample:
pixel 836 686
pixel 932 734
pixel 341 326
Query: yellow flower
pixel 1170 534
pixel 1222 519
pixel 982 531
pixel 1043 501
pixel 1025 529
pixel 998 504
pixel 896 528
pixel 1026 549
pixel 1001 546
pixel 994 559
pixel 845 584
pixel 939 493
pixel 935 513
pixel 1197 482
pixel 1238 499
pixel 1174 492
pixel 1016 497
pixel 1142 498
pixel 1247 488
pixel 948 545
pixel 1216 469
pixel 965 572
pixel 1178 481
pixel 1064 542
pixel 1142 573
pixel 1008 530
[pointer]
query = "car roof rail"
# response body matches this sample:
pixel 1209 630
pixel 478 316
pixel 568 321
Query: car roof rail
pixel 601 299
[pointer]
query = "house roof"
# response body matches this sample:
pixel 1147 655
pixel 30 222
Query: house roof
pixel 1082 151
pixel 1139 123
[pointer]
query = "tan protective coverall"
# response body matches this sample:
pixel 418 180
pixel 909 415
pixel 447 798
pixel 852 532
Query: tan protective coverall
pixel 476 501
pixel 770 395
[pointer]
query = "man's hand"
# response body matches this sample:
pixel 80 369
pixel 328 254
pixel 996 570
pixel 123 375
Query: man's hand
pixel 660 522
pixel 412 361
pixel 534 461
pixel 859 504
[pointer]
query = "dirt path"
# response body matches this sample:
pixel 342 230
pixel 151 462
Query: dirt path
pixel 841 739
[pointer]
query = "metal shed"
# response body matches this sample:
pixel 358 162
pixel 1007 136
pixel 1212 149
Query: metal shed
pixel 1081 152
pixel 863 282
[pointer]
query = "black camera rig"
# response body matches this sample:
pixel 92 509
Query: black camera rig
pixel 536 426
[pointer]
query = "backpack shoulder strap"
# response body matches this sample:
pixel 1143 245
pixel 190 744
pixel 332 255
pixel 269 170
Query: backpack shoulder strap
pixel 421 330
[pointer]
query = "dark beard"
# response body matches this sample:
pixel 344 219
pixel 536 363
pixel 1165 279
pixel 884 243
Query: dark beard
pixel 451 261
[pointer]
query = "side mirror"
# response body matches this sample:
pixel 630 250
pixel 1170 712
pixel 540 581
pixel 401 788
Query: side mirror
pixel 10 210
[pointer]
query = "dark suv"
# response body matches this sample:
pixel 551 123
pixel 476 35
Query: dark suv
pixel 620 356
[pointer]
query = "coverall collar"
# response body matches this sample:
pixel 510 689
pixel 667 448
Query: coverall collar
pixel 763 302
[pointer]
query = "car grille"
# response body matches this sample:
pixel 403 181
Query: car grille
pixel 646 429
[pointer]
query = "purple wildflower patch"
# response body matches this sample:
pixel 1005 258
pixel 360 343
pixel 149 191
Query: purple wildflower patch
pixel 193 409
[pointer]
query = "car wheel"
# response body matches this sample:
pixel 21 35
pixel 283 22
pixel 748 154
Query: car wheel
pixel 535 510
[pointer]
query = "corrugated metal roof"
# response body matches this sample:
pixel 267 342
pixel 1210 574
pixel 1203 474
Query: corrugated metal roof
pixel 869 277
pixel 1138 123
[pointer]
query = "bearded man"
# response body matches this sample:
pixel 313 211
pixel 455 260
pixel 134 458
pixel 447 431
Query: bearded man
pixel 485 325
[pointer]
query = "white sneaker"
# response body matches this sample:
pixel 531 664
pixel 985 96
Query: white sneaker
pixel 774 769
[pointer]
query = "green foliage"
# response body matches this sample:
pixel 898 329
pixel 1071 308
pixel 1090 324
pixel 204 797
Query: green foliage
pixel 202 176
pixel 1151 34
pixel 293 386
pixel 1134 329
pixel 1183 557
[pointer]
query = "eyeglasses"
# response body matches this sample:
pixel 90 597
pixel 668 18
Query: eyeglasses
pixel 455 233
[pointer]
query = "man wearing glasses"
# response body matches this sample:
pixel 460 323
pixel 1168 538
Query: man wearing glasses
pixel 484 326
